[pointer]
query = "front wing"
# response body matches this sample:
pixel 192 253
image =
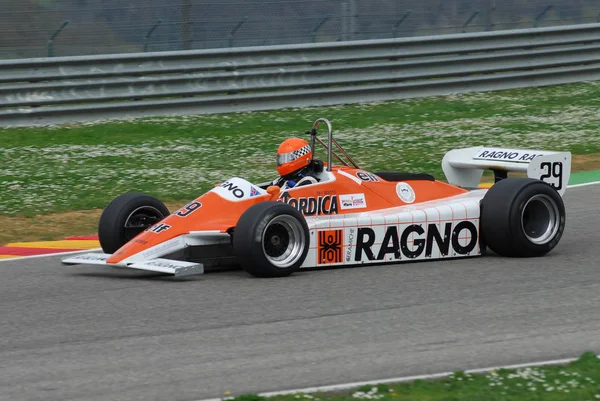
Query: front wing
pixel 151 259
pixel 169 266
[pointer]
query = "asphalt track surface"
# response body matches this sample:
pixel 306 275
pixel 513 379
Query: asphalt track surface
pixel 91 333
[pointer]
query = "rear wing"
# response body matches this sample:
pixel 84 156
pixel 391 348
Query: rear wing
pixel 464 167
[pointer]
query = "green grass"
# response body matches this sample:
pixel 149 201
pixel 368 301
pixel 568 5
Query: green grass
pixel 83 166
pixel 577 381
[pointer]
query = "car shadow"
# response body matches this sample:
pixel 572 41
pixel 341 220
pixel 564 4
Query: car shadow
pixel 140 275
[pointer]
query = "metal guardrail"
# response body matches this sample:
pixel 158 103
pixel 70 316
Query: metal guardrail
pixel 57 90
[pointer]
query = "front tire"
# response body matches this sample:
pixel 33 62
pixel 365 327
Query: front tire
pixel 522 217
pixel 271 239
pixel 126 216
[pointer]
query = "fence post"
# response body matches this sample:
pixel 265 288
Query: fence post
pixel 158 22
pixel 54 35
pixel 489 19
pixel 186 24
pixel 345 25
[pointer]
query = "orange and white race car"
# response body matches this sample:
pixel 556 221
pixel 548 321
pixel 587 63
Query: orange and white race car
pixel 345 216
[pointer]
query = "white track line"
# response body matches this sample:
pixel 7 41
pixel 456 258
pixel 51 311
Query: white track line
pixel 347 386
pixel 585 184
pixel 97 249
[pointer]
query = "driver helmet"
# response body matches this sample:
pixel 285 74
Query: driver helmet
pixel 292 155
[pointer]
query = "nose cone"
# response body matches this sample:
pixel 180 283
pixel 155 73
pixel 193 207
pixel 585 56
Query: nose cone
pixel 148 240
pixel 210 212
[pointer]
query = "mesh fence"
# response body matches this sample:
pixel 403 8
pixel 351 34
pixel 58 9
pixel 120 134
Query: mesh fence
pixel 40 28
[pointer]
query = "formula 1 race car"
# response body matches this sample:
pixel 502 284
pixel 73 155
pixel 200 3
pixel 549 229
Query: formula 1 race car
pixel 347 217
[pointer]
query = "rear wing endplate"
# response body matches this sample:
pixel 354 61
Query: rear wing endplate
pixel 464 167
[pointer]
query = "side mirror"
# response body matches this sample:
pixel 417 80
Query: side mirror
pixel 273 190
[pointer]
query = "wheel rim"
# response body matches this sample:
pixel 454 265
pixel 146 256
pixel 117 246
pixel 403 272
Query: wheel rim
pixel 283 241
pixel 140 219
pixel 540 219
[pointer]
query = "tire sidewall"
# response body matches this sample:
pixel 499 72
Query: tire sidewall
pixel 501 217
pixel 248 239
pixel 111 226
pixel 515 218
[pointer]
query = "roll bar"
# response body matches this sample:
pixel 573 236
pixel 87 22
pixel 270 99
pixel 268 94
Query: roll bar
pixel 329 147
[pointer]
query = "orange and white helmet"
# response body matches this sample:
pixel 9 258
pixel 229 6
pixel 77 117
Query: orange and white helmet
pixel 292 155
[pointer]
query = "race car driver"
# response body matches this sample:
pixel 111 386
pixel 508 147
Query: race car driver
pixel 295 164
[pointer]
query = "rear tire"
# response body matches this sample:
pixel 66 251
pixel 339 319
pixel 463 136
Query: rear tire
pixel 271 239
pixel 522 217
pixel 126 216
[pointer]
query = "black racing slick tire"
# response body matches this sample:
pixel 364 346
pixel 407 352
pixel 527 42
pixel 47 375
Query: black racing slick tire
pixel 522 217
pixel 126 216
pixel 271 239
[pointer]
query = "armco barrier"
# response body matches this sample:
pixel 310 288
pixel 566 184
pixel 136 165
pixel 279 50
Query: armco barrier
pixel 56 90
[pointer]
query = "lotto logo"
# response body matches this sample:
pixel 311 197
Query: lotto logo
pixel 330 246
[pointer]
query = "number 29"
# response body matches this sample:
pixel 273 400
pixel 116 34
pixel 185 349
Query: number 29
pixel 554 170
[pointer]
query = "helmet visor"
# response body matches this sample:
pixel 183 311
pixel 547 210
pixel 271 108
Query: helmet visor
pixel 285 158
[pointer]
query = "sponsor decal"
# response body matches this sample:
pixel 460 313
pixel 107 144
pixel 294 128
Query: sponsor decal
pixel 396 243
pixel 254 192
pixel 311 206
pixel 163 248
pixel 326 192
pixel 101 258
pixel 234 189
pixel 351 235
pixel 162 263
pixel 405 192
pixel 507 155
pixel 158 228
pixel 353 201
pixel 188 209
pixel 331 243
pixel 363 175
pixel 140 241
